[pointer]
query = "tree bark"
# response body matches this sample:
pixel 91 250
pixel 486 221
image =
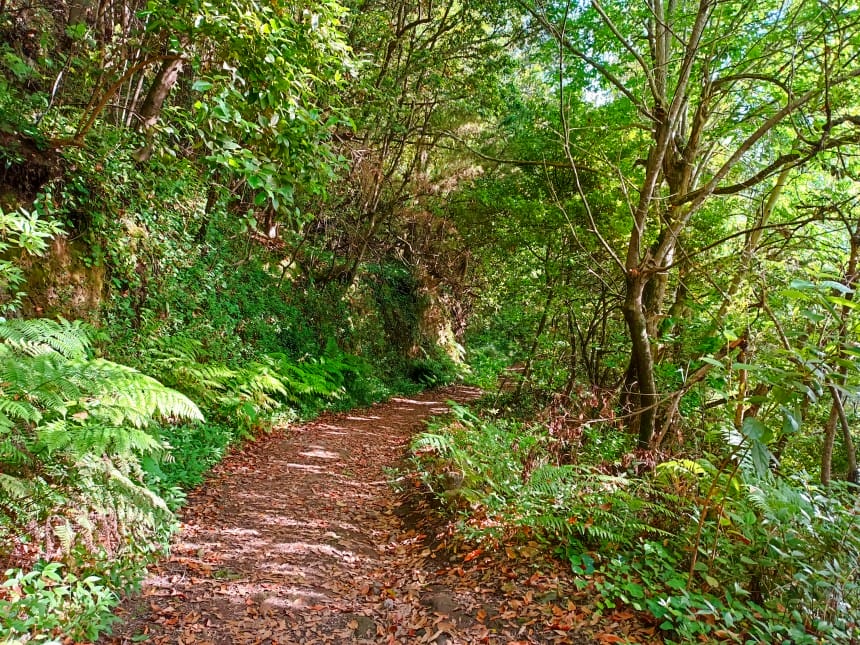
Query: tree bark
pixel 847 440
pixel 837 409
pixel 641 358
pixel 827 445
pixel 150 110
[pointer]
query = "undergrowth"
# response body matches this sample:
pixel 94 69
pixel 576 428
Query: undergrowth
pixel 199 319
pixel 77 521
pixel 713 549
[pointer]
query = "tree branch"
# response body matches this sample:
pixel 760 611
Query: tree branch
pixel 629 47
pixel 517 162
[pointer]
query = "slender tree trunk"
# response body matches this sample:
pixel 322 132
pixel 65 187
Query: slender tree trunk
pixel 572 359
pixel 150 110
pixel 847 440
pixel 550 294
pixel 827 446
pixel 837 409
pixel 654 295
pixel 527 370
pixel 752 242
pixel 641 358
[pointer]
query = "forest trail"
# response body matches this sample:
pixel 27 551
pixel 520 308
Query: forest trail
pixel 300 539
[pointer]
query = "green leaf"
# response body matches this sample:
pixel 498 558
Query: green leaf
pixel 803 285
pixel 844 302
pixel 837 286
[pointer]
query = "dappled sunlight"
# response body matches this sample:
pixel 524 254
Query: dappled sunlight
pixel 319 549
pixel 239 532
pixel 294 533
pixel 308 467
pixel 438 410
pixel 325 426
pixel 413 402
pixel 367 434
pixel 281 520
pixel 320 453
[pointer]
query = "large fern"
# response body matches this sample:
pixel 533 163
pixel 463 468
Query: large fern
pixel 42 335
pixel 72 428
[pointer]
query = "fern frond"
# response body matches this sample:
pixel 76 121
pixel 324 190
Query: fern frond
pixel 140 493
pixel 127 396
pixel 88 437
pixel 42 336
pixel 15 486
pixel 439 443
pixel 65 534
pixel 17 410
pixel 46 381
pixel 11 454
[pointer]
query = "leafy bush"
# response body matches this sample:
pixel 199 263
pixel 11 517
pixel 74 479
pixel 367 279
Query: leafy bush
pixel 23 232
pixel 73 431
pixel 193 451
pixel 726 551
pixel 487 359
pixel 778 565
pixel 49 601
pixel 507 475
pixel 434 370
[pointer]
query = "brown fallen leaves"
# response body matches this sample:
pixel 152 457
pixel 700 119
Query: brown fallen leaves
pixel 298 538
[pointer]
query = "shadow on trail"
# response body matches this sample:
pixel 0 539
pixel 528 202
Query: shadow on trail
pixel 296 540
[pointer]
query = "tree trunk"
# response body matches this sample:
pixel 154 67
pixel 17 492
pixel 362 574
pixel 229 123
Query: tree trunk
pixel 150 110
pixel 527 370
pixel 752 242
pixel 847 440
pixel 827 446
pixel 641 358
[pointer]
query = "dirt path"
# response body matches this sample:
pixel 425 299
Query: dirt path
pixel 300 539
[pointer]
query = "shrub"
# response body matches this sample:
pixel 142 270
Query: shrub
pixel 726 551
pixel 73 431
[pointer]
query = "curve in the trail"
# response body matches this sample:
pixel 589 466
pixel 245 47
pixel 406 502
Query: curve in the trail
pixel 297 540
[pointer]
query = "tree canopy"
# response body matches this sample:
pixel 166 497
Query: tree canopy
pixel 650 211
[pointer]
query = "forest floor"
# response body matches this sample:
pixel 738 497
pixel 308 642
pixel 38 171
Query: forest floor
pixel 300 538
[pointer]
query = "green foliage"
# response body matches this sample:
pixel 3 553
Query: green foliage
pixel 261 112
pixel 22 233
pixel 433 371
pixel 48 601
pixel 193 451
pixel 73 429
pixel 57 400
pixel 243 394
pixel 777 565
pixel 487 358
pixel 711 551
pixel 509 476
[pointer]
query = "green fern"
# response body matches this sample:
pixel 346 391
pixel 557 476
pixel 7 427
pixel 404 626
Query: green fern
pixel 180 362
pixel 44 336
pixel 72 429
pixel 65 534
pixel 14 486
pixel 440 443
pixel 308 379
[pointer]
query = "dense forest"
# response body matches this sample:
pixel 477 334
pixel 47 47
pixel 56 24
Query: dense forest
pixel 636 225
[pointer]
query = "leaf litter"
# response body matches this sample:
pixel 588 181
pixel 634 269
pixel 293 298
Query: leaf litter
pixel 299 538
